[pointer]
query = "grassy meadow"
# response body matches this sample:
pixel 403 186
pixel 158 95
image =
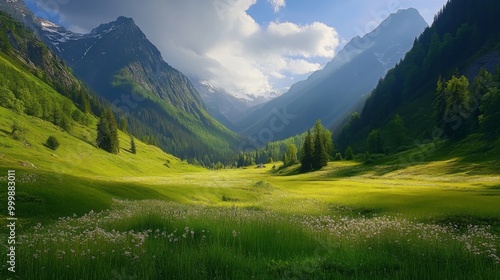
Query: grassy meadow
pixel 86 214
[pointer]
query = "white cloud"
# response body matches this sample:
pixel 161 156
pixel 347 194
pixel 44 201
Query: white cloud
pixel 277 4
pixel 217 40
pixel 316 39
pixel 301 66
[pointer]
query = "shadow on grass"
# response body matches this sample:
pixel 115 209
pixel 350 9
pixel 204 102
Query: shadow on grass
pixel 50 195
pixel 345 172
pixel 355 212
pixel 6 132
pixel 475 155
pixel 287 171
pixel 463 222
pixel 127 150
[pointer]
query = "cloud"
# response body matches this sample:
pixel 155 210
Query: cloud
pixel 301 66
pixel 216 40
pixel 277 4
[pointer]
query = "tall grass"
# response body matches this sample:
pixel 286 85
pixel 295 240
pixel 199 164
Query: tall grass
pixel 164 240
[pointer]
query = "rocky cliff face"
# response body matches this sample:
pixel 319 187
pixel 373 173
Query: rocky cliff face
pixel 26 46
pixel 117 54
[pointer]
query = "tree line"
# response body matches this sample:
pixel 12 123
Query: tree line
pixel 464 30
pixel 462 109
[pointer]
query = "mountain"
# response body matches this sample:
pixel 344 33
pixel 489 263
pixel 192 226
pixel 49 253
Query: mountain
pixel 329 94
pixel 29 69
pixel 36 84
pixel 118 54
pixel 225 107
pixel 462 40
pixel 118 61
pixel 158 103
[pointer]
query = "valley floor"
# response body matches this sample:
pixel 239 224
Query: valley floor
pixel 349 220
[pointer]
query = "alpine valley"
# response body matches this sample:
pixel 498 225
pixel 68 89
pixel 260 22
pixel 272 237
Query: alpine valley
pixel 384 164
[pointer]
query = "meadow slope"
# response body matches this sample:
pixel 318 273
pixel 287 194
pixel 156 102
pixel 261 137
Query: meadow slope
pixel 86 214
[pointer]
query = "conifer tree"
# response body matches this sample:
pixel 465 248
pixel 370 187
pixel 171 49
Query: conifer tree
pixel 320 155
pixel 107 133
pixel 306 156
pixel 132 146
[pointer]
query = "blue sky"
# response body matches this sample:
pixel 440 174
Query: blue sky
pixel 348 17
pixel 244 46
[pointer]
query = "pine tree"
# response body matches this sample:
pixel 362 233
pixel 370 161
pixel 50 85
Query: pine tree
pixel 132 146
pixel 306 156
pixel 107 133
pixel 320 155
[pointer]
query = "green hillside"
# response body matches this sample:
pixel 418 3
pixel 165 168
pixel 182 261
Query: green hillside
pixel 77 154
pixel 461 41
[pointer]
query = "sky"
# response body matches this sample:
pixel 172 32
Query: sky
pixel 250 47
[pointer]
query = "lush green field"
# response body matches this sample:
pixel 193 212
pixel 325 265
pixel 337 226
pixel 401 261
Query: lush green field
pixel 85 214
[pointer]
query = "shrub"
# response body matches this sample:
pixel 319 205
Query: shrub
pixel 52 143
pixel 349 154
pixel 18 131
pixel 338 157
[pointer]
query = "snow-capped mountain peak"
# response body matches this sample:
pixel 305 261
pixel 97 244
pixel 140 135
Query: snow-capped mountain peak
pixel 58 34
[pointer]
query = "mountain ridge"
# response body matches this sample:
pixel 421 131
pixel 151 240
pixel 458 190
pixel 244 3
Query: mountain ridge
pixel 461 41
pixel 330 93
pixel 157 102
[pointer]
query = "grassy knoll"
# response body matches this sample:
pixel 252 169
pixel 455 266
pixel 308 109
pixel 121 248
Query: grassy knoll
pixel 86 214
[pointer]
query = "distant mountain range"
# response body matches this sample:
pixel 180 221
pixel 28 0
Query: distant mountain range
pixel 225 107
pixel 331 93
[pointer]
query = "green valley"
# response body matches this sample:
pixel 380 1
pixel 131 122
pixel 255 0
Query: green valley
pixel 125 175
pixel 85 212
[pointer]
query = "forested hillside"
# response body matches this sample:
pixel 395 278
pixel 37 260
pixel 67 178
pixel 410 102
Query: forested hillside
pixel 463 39
pixel 36 82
